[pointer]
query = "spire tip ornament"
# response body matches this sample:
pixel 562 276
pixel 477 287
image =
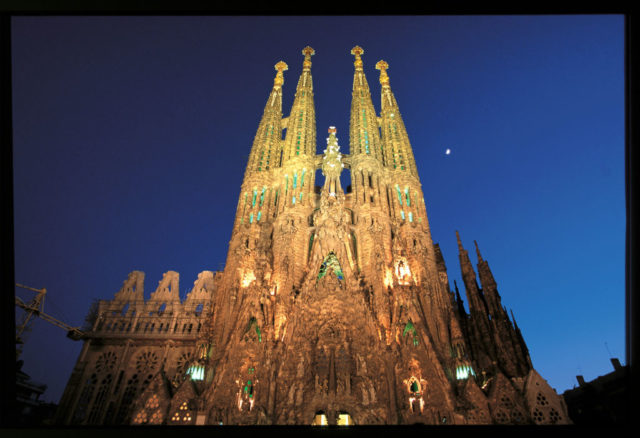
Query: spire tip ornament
pixel 383 66
pixel 280 67
pixel 308 52
pixel 357 51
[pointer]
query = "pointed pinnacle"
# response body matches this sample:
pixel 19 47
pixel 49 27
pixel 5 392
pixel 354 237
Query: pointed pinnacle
pixel 460 247
pixel 478 252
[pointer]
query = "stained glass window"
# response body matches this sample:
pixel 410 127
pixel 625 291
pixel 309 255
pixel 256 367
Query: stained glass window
pixel 331 262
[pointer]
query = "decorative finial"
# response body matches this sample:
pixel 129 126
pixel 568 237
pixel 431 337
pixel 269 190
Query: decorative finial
pixel 332 130
pixel 383 66
pixel 280 67
pixel 308 52
pixel 357 51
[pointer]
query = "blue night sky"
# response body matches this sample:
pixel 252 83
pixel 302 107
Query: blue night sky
pixel 131 137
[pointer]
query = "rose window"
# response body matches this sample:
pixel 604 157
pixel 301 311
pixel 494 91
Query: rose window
pixel 146 362
pixel 106 362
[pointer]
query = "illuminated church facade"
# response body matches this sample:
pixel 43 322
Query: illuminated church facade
pixel 334 306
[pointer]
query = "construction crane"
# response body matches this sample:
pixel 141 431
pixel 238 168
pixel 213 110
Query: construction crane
pixel 35 307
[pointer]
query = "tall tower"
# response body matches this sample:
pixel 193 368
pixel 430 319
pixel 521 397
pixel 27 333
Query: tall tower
pixel 335 306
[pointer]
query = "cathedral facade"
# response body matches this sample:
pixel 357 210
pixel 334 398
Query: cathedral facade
pixel 334 306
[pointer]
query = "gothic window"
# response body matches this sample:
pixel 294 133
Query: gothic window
pixel 128 396
pixel 98 403
pixel 331 261
pixel 85 398
pixel 117 387
pixel 199 308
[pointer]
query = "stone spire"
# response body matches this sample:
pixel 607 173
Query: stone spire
pixel 266 144
pixel 301 124
pixel 398 153
pixel 264 156
pixel 365 139
pixel 476 303
pixel 479 324
pixel 489 287
pixel 299 146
